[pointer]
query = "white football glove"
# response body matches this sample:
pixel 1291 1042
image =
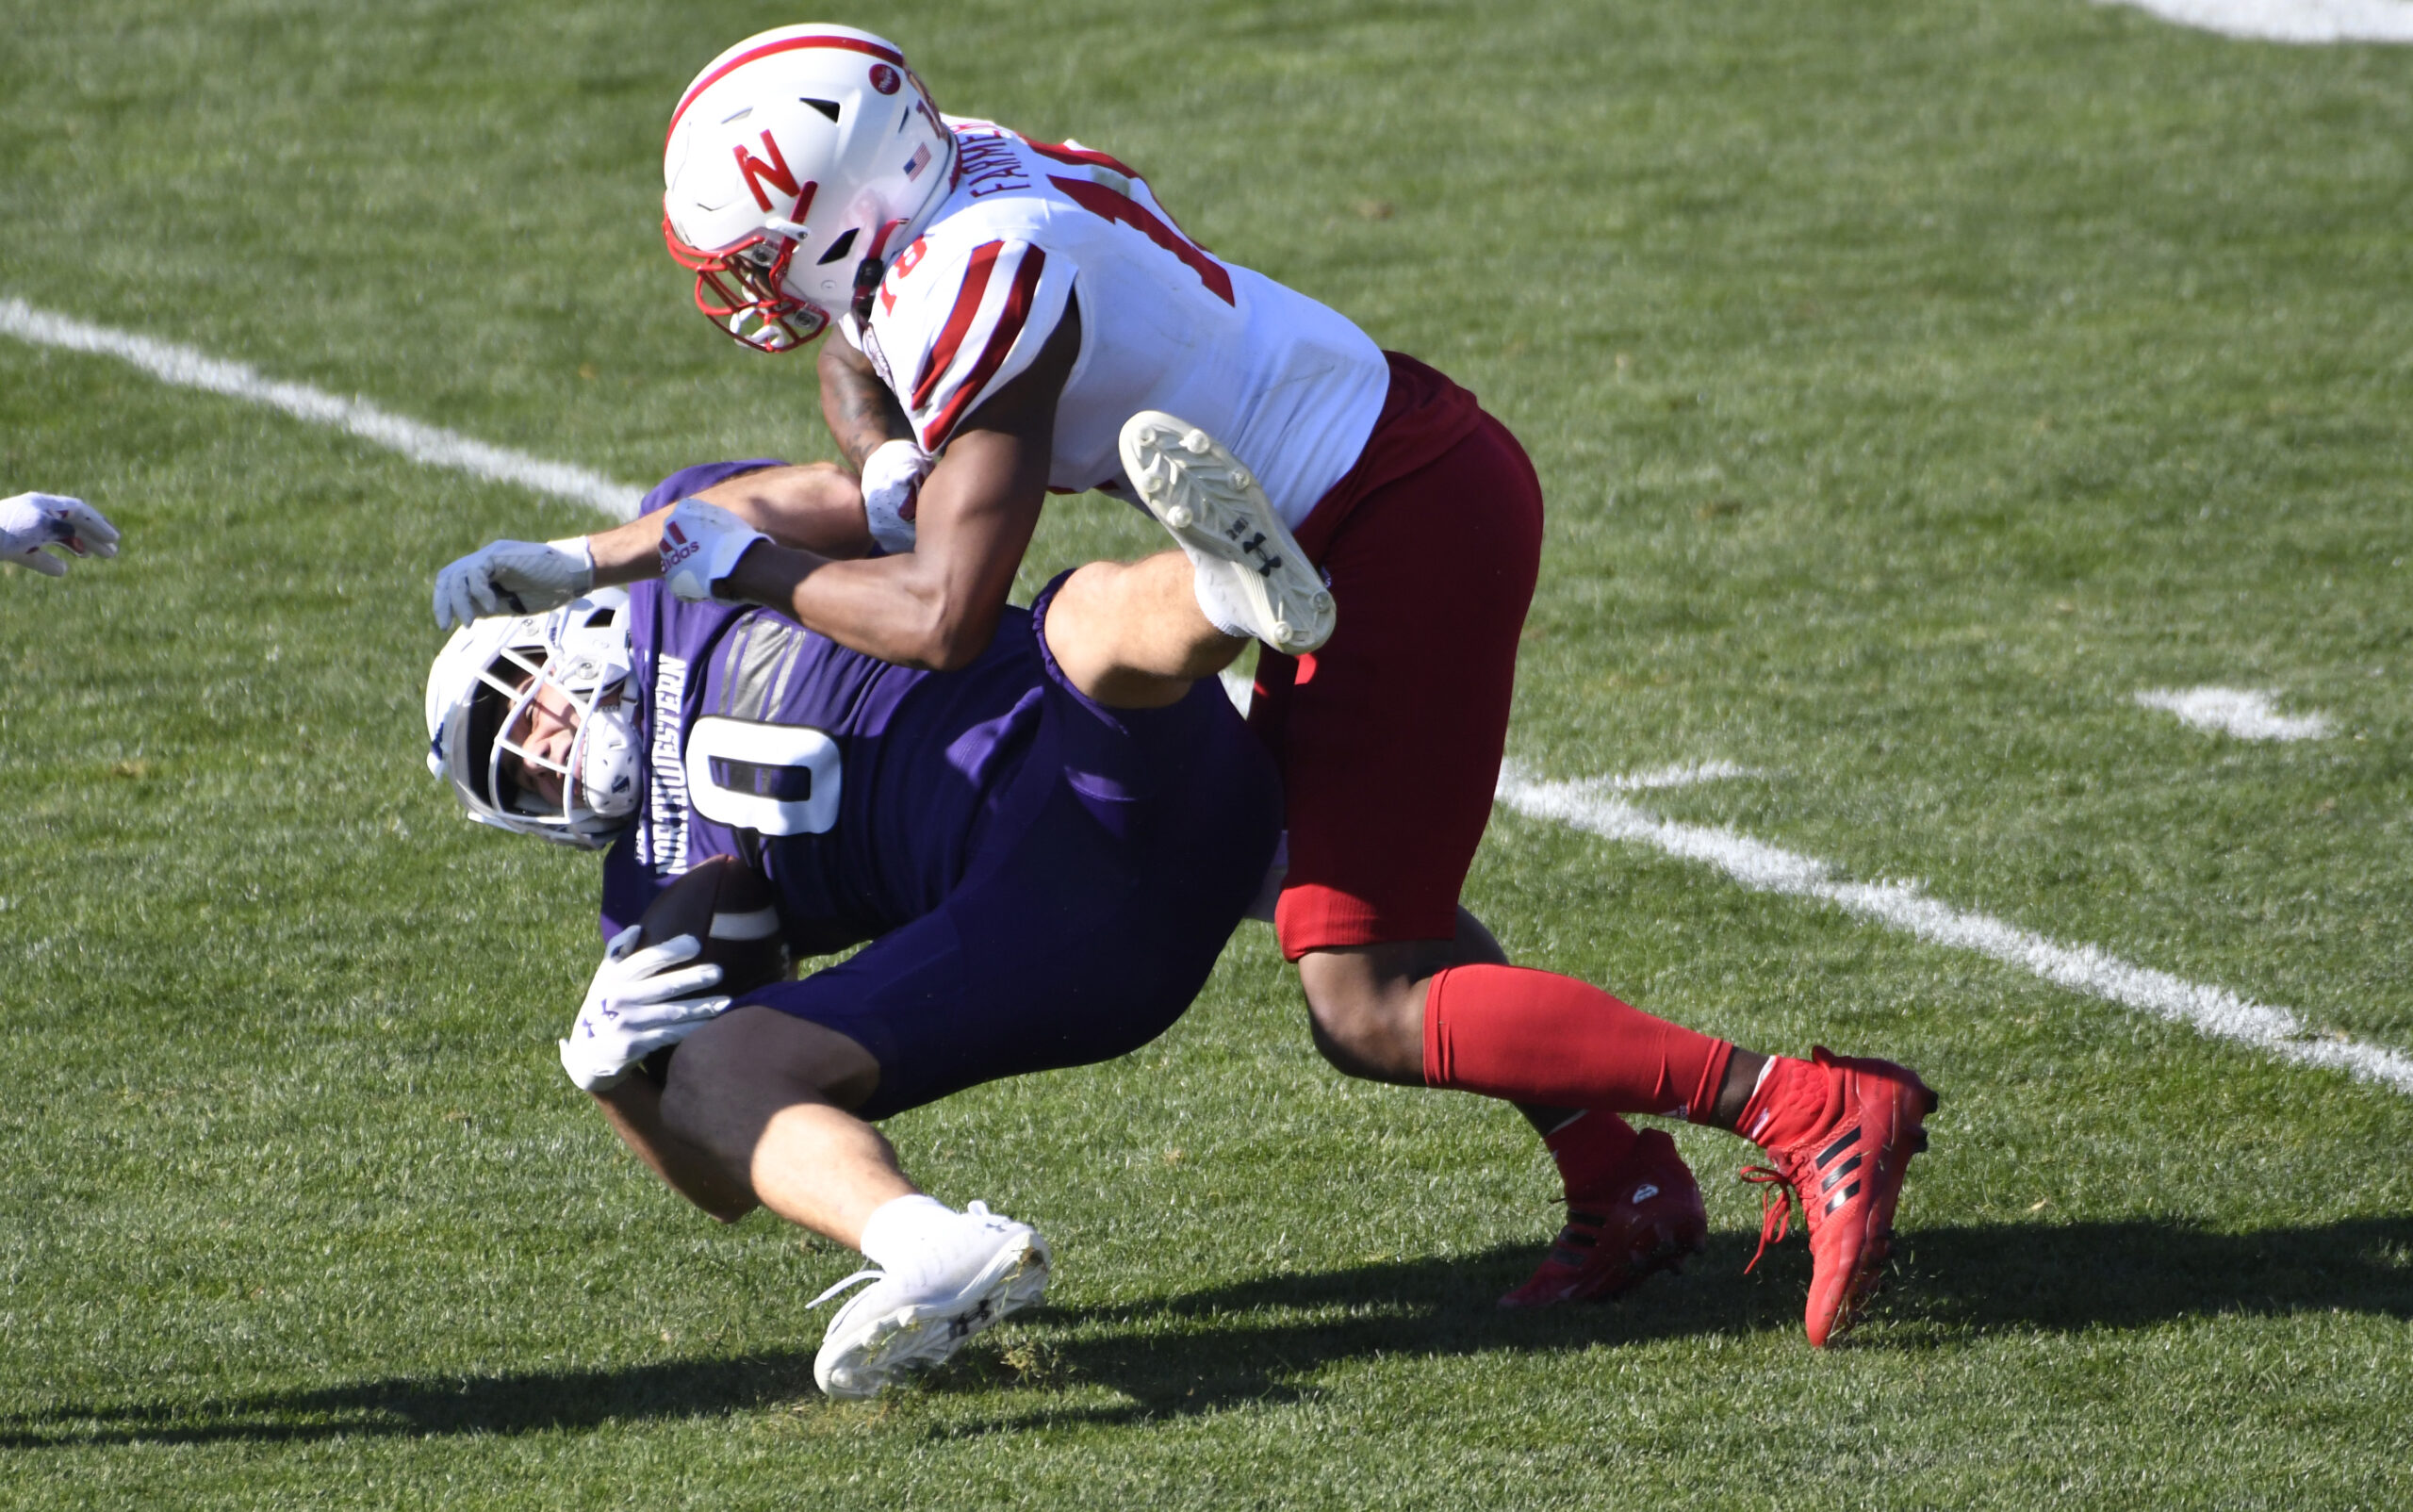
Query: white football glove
pixel 893 477
pixel 637 1005
pixel 513 578
pixel 29 522
pixel 700 545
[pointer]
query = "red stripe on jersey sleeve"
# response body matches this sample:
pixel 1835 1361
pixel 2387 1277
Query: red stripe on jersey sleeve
pixel 993 357
pixel 1081 156
pixel 1099 200
pixel 967 305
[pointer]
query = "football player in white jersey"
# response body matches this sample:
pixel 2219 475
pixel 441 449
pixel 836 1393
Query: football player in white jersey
pixel 1016 318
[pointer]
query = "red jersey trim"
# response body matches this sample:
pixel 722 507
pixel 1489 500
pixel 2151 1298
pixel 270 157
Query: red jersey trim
pixel 967 305
pixel 1083 156
pixel 1001 342
pixel 1101 201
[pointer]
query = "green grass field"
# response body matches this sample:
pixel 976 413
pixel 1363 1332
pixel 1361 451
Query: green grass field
pixel 1912 383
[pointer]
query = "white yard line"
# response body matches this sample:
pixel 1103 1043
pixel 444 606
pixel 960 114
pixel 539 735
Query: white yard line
pixel 1586 805
pixel 2245 713
pixel 1905 905
pixel 2289 21
pixel 431 444
pixel 1689 774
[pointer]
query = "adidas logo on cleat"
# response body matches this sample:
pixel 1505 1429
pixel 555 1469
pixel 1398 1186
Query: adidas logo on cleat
pixel 1856 1175
pixel 1849 1139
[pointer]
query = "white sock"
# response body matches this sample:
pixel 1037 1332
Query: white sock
pixel 911 1237
pixel 1753 1133
pixel 1211 586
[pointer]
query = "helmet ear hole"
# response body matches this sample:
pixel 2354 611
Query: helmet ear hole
pixel 828 107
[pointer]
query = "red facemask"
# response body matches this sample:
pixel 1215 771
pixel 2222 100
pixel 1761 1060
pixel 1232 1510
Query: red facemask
pixel 741 294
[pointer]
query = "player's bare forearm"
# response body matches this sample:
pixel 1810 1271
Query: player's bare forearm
pixel 633 1109
pixel 937 605
pixel 862 414
pixel 817 507
pixel 926 608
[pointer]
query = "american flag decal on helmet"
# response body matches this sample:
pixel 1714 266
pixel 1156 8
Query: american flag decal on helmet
pixel 920 161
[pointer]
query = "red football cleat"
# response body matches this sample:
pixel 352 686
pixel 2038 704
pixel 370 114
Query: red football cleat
pixel 1848 1177
pixel 1651 1220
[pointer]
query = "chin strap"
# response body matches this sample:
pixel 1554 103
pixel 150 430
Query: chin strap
pixel 869 273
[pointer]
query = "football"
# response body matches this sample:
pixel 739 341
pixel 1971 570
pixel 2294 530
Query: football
pixel 728 907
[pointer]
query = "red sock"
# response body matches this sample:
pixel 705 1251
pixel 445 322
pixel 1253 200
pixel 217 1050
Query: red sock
pixel 1587 1148
pixel 1536 1037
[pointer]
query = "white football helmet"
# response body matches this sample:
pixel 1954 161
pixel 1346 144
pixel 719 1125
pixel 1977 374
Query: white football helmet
pixel 795 158
pixel 481 689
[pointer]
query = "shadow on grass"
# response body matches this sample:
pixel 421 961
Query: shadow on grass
pixel 1256 1340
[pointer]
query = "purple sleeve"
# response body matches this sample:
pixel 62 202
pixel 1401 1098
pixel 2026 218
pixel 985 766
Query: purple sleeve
pixel 695 480
pixel 669 643
pixel 629 888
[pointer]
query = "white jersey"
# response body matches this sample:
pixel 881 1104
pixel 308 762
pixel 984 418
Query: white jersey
pixel 1291 387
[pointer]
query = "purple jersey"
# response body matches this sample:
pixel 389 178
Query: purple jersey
pixel 858 788
pixel 1045 881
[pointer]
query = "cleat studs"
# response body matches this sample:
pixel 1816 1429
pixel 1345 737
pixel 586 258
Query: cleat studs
pixel 1179 518
pixel 1932 1099
pixel 1321 602
pixel 1918 1143
pixel 1196 443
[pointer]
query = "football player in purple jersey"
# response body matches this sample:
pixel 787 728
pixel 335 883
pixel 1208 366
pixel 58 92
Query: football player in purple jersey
pixel 1045 849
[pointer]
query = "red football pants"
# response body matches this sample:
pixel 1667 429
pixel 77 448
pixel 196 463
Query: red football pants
pixel 1389 736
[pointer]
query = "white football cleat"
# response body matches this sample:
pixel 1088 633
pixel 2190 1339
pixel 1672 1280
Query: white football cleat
pixel 1247 565
pixel 892 1327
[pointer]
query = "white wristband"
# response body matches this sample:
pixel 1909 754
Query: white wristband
pixel 581 547
pixel 893 477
